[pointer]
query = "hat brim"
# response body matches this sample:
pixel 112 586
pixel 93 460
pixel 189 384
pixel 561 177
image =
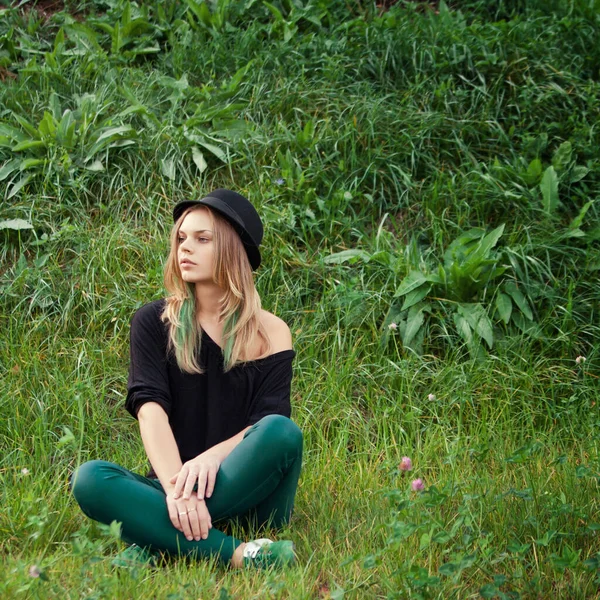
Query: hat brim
pixel 232 217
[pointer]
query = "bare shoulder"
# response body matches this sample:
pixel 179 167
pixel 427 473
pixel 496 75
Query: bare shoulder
pixel 278 332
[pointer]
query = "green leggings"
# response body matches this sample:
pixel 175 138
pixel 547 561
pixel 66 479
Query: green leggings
pixel 257 481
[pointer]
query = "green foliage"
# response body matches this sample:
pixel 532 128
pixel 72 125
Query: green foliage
pixel 444 162
pixel 472 291
pixel 62 144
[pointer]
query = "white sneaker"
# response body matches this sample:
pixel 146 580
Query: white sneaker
pixel 265 553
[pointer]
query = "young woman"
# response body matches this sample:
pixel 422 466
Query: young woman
pixel 209 382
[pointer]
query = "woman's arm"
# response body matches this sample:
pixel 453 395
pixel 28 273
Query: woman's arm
pixel 159 442
pixel 189 515
pixel 204 469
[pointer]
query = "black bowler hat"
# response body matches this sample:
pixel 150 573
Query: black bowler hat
pixel 239 212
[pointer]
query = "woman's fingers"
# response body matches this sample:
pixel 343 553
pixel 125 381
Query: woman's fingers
pixel 195 523
pixel 180 481
pixel 210 481
pixel 204 519
pixel 202 477
pixel 173 514
pixel 184 520
pixel 190 482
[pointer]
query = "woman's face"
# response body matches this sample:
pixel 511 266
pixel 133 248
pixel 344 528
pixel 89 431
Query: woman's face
pixel 195 247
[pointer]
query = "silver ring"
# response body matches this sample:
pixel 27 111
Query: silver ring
pixel 191 510
pixel 182 513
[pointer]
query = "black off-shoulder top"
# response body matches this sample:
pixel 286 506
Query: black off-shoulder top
pixel 204 409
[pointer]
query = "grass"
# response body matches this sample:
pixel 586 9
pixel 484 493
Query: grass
pixel 384 133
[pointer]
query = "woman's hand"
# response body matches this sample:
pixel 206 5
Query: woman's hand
pixel 190 516
pixel 203 469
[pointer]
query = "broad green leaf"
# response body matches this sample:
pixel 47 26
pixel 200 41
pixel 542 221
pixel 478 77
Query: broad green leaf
pixel 95 166
pixel 214 150
pixel 489 590
pixel 549 187
pixel 504 306
pixel 135 28
pixel 238 78
pixel 383 257
pixel 116 38
pixel 114 137
pixel 66 129
pixel 534 171
pixel 29 145
pixel 562 156
pixel 26 125
pixel 47 126
pixel 12 133
pixel 59 40
pixel 275 12
pixel 463 328
pixel 519 299
pixel 478 321
pixel 198 158
pixel 85 35
pixel 116 132
pixel 578 173
pixel 351 256
pixel 289 32
pixel 31 163
pixel 16 188
pixel 528 327
pixel 337 594
pixel 414 321
pixel 201 12
pixel 441 537
pixel 578 220
pixel 126 14
pixel 67 439
pixel 462 246
pixel 232 129
pixel 448 569
pixel 120 143
pixel 412 281
pixel 167 167
pixel 487 243
pixel 54 104
pixel 485 330
pixel 9 167
pixel 15 224
pixel 416 296
pixel 574 233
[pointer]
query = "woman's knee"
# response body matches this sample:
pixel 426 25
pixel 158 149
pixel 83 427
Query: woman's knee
pixel 282 431
pixel 88 482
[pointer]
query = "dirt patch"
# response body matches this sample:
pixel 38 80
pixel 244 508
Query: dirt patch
pixel 47 8
pixel 6 74
pixel 432 5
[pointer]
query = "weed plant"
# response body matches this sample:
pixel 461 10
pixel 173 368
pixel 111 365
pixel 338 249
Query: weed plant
pixel 433 166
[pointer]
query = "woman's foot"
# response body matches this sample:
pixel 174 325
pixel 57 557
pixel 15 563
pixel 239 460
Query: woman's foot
pixel 264 553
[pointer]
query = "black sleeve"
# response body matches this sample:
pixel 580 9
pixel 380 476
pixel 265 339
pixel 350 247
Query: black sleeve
pixel 148 376
pixel 272 395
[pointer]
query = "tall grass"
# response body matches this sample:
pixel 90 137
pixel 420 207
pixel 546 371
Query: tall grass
pixel 383 133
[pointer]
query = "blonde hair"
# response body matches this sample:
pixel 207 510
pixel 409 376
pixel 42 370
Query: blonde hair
pixel 240 304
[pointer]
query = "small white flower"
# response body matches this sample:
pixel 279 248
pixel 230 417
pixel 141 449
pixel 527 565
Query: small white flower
pixel 34 571
pixel 580 360
pixel 24 471
pixel 393 326
pixel 431 397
